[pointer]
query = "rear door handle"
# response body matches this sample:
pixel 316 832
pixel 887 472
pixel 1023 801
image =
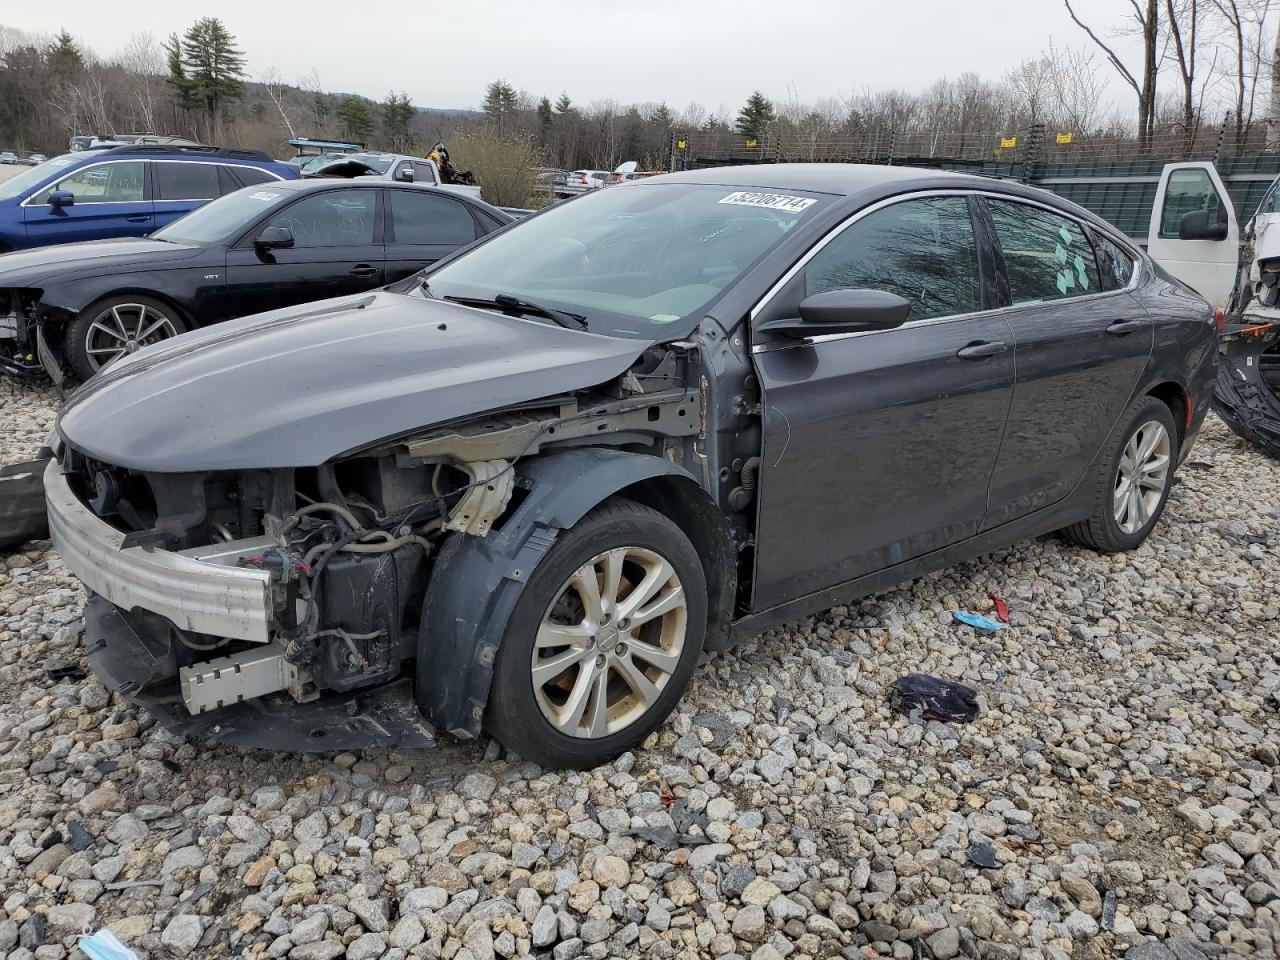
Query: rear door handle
pixel 980 351
pixel 1121 327
pixel 364 270
pixel 139 219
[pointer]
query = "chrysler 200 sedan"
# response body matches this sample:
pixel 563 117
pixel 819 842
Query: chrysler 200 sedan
pixel 524 489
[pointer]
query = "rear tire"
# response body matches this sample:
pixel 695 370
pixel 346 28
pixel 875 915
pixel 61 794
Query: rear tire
pixel 1131 484
pixel 581 678
pixel 114 327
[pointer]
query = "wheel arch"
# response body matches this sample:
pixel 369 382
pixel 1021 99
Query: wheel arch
pixel 1174 396
pixel 476 582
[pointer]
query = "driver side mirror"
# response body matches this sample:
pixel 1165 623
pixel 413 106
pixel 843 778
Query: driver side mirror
pixel 274 237
pixel 62 198
pixel 1195 225
pixel 405 174
pixel 842 311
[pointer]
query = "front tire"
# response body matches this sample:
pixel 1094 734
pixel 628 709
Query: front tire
pixel 114 327
pixel 602 641
pixel 1131 486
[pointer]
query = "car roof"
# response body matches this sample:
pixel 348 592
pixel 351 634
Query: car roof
pixel 316 184
pixel 840 179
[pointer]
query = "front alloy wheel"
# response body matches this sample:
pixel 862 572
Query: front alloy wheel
pixel 122 329
pixel 602 642
pixel 609 642
pixel 116 327
pixel 1142 477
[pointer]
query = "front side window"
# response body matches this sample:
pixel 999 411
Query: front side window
pixel 339 218
pixel 120 181
pixel 1188 190
pixel 222 220
pixel 922 250
pixel 185 181
pixel 1046 256
pixel 427 218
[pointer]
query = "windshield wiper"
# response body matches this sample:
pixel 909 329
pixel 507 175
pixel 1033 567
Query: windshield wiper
pixel 503 301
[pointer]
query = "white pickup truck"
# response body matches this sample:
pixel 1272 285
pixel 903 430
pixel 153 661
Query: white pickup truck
pixel 392 166
pixel 1196 236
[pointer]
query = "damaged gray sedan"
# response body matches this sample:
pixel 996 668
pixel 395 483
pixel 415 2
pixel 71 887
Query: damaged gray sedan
pixel 524 490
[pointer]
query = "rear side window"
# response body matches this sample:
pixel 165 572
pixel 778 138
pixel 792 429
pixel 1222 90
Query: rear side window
pixel 1115 266
pixel 1189 190
pixel 1046 256
pixel 922 250
pixel 250 176
pixel 429 218
pixel 185 181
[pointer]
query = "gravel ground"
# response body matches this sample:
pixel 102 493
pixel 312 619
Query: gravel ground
pixel 1117 795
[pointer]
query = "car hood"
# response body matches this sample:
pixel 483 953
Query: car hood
pixel 66 260
pixel 298 387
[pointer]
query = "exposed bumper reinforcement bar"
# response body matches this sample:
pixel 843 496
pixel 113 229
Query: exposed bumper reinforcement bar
pixel 199 596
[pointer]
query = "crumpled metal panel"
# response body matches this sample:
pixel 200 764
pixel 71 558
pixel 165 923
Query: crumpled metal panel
pixel 202 597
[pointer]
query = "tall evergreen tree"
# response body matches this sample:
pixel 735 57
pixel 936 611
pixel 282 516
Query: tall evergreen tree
pixel 356 118
pixel 544 111
pixel 63 56
pixel 397 112
pixel 500 100
pixel 209 70
pixel 662 117
pixel 564 104
pixel 757 113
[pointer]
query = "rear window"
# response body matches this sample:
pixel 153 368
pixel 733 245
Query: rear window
pixel 250 176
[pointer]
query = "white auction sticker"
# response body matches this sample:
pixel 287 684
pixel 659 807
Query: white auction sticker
pixel 263 195
pixel 774 201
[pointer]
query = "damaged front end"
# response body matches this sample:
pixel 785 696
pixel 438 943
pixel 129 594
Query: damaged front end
pixel 284 607
pixel 1247 394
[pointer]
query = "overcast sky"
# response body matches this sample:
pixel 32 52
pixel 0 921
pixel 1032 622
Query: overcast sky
pixel 713 51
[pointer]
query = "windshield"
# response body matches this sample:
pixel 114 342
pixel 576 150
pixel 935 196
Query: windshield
pixel 379 164
pixel 637 260
pixel 221 220
pixel 17 186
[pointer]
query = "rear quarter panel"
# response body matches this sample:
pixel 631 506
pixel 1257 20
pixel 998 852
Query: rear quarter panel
pixel 1185 351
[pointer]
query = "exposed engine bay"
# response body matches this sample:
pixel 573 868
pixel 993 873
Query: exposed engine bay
pixel 344 553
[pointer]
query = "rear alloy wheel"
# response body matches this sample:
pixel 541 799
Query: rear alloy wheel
pixel 1131 485
pixel 603 640
pixel 115 328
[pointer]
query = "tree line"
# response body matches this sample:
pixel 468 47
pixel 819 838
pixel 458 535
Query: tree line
pixel 1198 58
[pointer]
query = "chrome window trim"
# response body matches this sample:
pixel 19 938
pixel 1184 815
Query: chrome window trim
pixel 110 160
pixel 857 215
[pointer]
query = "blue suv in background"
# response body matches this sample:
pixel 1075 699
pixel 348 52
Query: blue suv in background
pixel 124 191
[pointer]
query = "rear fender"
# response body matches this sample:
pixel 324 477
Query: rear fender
pixel 476 581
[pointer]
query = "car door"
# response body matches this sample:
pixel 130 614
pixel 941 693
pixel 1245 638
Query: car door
pixel 179 186
pixel 422 227
pixel 1206 260
pixel 110 200
pixel 879 446
pixel 1082 342
pixel 337 250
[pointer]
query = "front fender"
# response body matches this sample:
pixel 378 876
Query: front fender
pixel 476 581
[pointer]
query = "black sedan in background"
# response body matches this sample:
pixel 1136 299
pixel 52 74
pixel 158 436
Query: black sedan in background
pixel 74 308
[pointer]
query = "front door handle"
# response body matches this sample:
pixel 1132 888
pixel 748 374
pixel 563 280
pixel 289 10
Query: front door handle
pixel 139 219
pixel 980 351
pixel 364 270
pixel 1121 327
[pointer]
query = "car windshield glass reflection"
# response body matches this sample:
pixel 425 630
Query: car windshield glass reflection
pixel 637 261
pixel 219 221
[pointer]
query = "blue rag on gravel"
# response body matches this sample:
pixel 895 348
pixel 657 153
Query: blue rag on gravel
pixel 105 945
pixel 978 620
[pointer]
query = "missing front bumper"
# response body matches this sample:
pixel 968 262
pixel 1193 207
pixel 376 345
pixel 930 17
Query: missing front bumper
pixel 135 662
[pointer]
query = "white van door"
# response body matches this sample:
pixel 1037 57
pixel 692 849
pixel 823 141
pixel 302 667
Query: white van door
pixel 1194 232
